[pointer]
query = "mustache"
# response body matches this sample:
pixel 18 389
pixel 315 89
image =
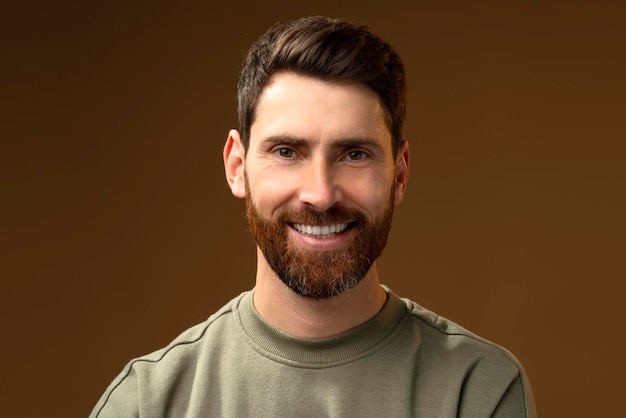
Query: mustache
pixel 309 216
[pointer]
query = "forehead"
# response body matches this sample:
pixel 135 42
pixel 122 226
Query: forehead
pixel 297 105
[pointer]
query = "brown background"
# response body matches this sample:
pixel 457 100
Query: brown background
pixel 118 230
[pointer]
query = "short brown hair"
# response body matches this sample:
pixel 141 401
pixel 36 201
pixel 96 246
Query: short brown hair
pixel 330 49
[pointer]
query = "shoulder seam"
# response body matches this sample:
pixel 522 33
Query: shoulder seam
pixel 476 338
pixel 167 349
pixel 468 335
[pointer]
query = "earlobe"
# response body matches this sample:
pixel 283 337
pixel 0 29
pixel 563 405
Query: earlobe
pixel 234 159
pixel 402 171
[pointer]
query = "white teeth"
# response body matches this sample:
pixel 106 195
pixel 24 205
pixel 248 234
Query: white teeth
pixel 322 232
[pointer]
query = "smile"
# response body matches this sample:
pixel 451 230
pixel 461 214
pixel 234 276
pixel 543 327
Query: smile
pixel 318 231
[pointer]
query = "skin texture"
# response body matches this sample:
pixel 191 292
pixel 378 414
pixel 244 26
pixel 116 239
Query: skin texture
pixel 317 147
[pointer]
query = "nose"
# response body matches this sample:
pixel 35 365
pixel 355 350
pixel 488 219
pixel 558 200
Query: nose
pixel 319 185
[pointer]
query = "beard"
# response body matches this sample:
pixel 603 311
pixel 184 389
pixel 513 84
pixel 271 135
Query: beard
pixel 320 274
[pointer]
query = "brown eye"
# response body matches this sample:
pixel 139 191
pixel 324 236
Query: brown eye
pixel 286 153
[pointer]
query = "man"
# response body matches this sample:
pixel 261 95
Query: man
pixel 321 162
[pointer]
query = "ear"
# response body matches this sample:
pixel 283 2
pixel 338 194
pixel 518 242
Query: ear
pixel 402 171
pixel 234 159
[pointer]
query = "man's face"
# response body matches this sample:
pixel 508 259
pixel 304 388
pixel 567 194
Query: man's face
pixel 320 182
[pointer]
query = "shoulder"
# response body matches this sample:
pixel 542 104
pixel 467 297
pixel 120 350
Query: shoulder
pixel 449 336
pixel 193 338
pixel 176 363
pixel 488 375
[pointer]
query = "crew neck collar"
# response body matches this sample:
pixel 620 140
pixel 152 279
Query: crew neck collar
pixel 323 352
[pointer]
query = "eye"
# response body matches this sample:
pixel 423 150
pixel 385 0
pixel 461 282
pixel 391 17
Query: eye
pixel 287 153
pixel 356 155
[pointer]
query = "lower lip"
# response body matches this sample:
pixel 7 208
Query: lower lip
pixel 334 242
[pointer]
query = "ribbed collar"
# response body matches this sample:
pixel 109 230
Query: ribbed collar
pixel 325 352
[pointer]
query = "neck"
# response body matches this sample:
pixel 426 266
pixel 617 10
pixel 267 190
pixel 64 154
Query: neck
pixel 305 317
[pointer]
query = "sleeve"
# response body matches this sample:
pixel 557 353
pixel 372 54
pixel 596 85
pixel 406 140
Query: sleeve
pixel 121 399
pixel 517 401
pixel 497 386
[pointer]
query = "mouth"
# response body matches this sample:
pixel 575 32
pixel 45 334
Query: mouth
pixel 321 231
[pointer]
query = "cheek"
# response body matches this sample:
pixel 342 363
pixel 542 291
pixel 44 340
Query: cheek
pixel 372 194
pixel 268 196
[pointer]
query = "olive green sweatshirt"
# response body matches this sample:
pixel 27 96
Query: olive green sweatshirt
pixel 404 362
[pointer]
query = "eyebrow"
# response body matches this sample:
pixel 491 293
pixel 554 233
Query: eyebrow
pixel 357 142
pixel 283 139
pixel 353 142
